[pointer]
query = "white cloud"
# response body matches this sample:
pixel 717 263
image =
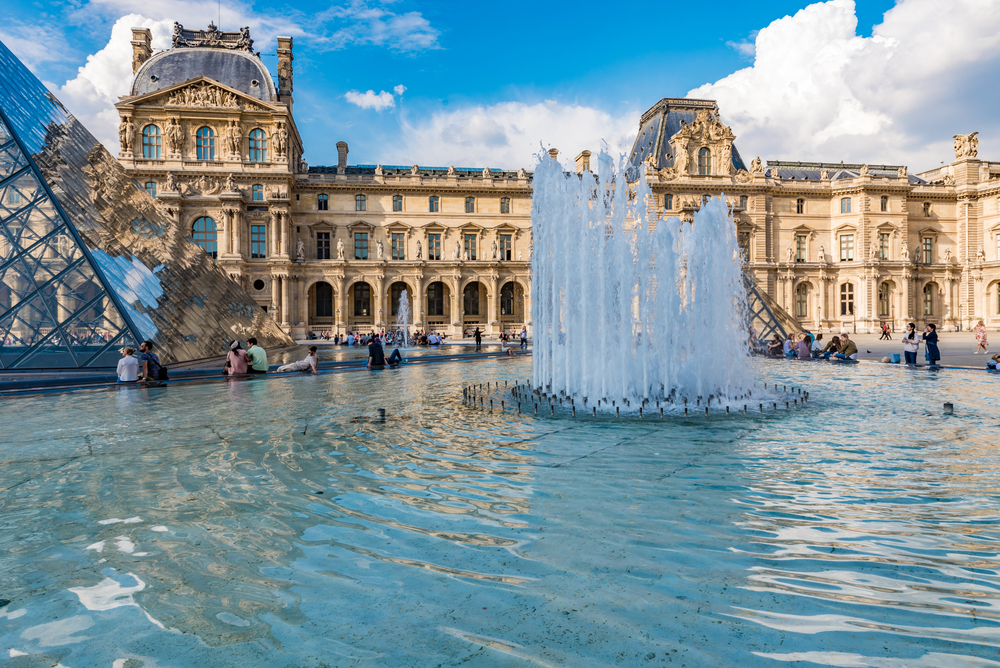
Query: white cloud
pixel 400 89
pixel 369 23
pixel 507 135
pixel 818 91
pixel 369 100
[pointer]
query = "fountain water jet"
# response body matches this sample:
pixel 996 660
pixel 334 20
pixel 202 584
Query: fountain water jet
pixel 403 320
pixel 628 306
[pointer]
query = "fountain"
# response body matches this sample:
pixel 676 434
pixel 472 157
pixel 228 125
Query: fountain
pixel 663 318
pixel 403 321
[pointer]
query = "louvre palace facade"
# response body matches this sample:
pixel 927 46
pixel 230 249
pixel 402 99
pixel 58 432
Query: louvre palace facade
pixel 207 132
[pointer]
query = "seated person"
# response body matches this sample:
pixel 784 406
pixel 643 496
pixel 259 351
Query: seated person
pixel 993 364
pixel 830 348
pixel 788 347
pixel 395 358
pixel 505 349
pixel 774 347
pixel 306 365
pixel 804 347
pixel 376 356
pixel 817 347
pixel 848 349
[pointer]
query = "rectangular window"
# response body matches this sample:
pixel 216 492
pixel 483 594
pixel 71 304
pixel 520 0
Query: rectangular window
pixel 743 238
pixel 668 202
pixel 801 301
pixel 505 247
pixel 846 247
pixel 257 193
pixel 258 241
pixel 504 205
pixel 883 246
pixel 362 299
pixel 800 248
pixel 397 202
pixel 885 203
pixel 800 206
pixel 435 299
pixel 433 204
pixel 927 246
pixel 322 245
pixel 743 202
pixel 470 204
pixel 360 245
pixel 323 203
pixel 433 246
pixel 845 205
pixel 847 299
pixel 150 188
pixel 360 203
pixel 398 246
pixel 470 247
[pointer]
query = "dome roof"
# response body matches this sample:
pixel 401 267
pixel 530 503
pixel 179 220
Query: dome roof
pixel 239 70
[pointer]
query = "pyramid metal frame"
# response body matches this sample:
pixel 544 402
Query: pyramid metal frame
pixel 58 326
pixel 762 309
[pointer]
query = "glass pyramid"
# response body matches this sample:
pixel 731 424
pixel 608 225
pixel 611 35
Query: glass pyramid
pixel 87 261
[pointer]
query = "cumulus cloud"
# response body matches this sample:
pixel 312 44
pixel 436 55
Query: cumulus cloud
pixel 400 89
pixel 818 91
pixel 362 22
pixel 508 135
pixel 369 100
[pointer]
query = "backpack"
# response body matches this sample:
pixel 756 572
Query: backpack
pixel 162 375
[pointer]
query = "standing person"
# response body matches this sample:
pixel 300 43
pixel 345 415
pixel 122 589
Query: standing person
pixel 128 366
pixel 910 344
pixel 479 338
pixel 376 356
pixel 152 371
pixel 256 357
pixel 306 365
pixel 981 342
pixel 524 338
pixel 930 338
pixel 236 360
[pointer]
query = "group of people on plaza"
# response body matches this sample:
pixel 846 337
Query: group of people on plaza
pixel 420 337
pixel 142 370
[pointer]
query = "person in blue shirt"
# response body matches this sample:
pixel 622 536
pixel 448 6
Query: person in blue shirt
pixel 150 363
pixel 930 338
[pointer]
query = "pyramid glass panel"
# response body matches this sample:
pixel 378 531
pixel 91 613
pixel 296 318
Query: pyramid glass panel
pixel 87 260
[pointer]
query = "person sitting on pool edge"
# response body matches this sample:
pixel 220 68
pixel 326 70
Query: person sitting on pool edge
pixel 848 349
pixel 376 356
pixel 256 357
pixel 831 348
pixel 307 365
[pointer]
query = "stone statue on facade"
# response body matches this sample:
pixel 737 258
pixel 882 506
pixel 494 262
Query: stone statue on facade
pixel 414 170
pixel 173 136
pixel 905 252
pixel 285 74
pixel 981 255
pixel 518 256
pixel 872 251
pixel 378 170
pixel 494 249
pixel 126 134
pixel 244 41
pixel 726 162
pixel 863 171
pixel 821 256
pixel 379 250
pixel 340 249
pixel 756 166
pixel 230 183
pixel 486 172
pixel 419 250
pixel 966 146
pixel 790 254
pixel 457 253
pixel 466 257
pixel 451 170
pixel 902 172
pixel 650 160
pixel 947 255
pixel 824 175
pixel 521 174
pixel 300 251
pixel 281 139
pixel 171 182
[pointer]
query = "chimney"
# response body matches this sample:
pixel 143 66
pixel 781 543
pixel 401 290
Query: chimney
pixel 554 154
pixel 341 156
pixel 285 59
pixel 583 162
pixel 142 47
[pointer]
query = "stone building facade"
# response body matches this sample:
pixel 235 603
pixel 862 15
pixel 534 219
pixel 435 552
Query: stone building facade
pixel 207 132
pixel 205 129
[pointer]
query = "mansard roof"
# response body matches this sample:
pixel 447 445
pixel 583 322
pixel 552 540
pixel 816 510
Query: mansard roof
pixel 402 170
pixel 237 68
pixel 813 171
pixel 661 122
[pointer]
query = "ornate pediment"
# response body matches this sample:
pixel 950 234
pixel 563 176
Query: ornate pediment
pixel 212 38
pixel 201 93
pixel 704 132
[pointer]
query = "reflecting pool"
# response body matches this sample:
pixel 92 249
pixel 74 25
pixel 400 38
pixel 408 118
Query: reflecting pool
pixel 276 522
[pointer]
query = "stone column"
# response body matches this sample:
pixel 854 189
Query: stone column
pixel 905 305
pixel 494 304
pixel 226 227
pixel 284 301
pixel 273 234
pixel 283 226
pixel 341 314
pixel 378 303
pixel 303 302
pixel 237 224
pixel 419 301
pixel 273 309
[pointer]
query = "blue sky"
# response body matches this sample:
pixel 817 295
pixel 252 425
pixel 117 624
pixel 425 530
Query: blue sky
pixel 486 82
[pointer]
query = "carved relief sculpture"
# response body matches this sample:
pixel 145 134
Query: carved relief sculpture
pixel 966 146
pixel 863 171
pixel 756 166
pixel 825 175
pixel 281 139
pixel 414 170
pixel 230 183
pixel 173 136
pixel 285 74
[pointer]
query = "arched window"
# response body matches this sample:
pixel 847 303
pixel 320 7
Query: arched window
pixel 929 299
pixel 668 202
pixel 362 299
pixel 470 298
pixel 847 299
pixel 504 205
pixel 470 204
pixel 258 145
pixel 396 291
pixel 257 193
pixel 324 300
pixel 507 299
pixel 322 202
pixel 360 203
pixel 205 144
pixel 152 142
pixel 883 300
pixel 845 204
pixel 397 202
pixel 801 300
pixel 203 233
pixel 151 188
pixel 435 298
pixel 704 162
pixel 800 206
pixel 434 203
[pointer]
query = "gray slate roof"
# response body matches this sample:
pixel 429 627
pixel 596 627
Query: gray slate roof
pixel 236 69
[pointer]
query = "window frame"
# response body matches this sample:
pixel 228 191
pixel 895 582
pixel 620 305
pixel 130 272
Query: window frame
pixel 328 304
pixel 469 245
pixel 397 203
pixel 883 246
pixel 884 204
pixel 471 299
pixel 151 141
pixel 470 204
pixel 926 250
pixel 927 302
pixel 150 187
pixel 847 247
pixel 362 299
pixel 322 202
pixel 398 248
pixel 258 242
pixel 801 301
pixel 845 204
pixel 435 303
pixel 800 247
pixel 506 247
pixel 323 245
pixel 883 300
pixel 360 202
pixel 434 204
pixel 205 141
pixel 257 145
pixel 434 246
pixel 927 209
pixel 361 242
pixel 846 299
pixel 668 202
pixel 257 192
pixel 800 205
pixel 505 205
pixel 704 161
pixel 208 239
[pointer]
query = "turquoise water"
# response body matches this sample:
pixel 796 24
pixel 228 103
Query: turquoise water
pixel 184 526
